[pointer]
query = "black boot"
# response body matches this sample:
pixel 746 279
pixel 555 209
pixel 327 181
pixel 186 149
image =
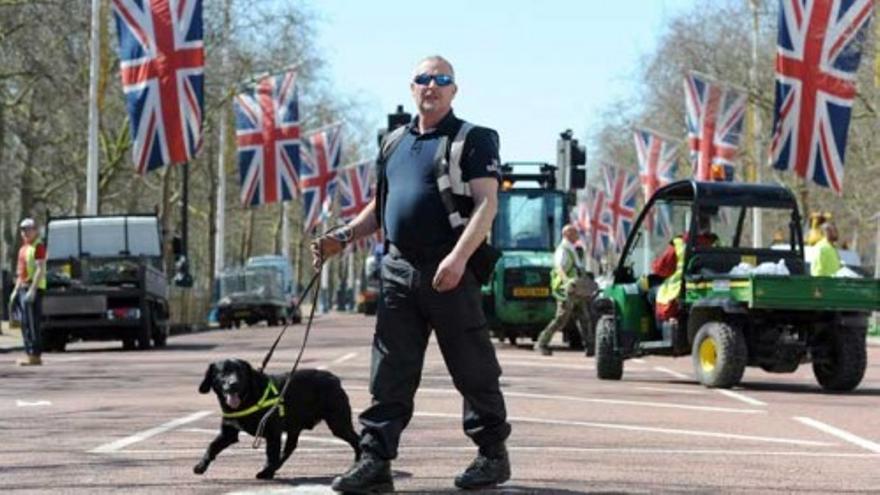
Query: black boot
pixel 370 474
pixel 490 468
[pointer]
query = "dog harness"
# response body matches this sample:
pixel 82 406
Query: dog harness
pixel 269 399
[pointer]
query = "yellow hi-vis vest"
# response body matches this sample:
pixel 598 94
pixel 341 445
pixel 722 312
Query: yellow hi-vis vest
pixel 569 266
pixel 671 287
pixel 32 264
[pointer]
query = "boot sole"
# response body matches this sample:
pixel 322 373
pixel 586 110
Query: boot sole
pixel 481 486
pixel 377 488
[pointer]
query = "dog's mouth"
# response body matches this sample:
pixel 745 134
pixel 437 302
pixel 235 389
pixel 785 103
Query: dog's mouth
pixel 232 400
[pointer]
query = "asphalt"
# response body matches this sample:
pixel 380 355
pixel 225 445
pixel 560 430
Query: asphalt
pixel 97 419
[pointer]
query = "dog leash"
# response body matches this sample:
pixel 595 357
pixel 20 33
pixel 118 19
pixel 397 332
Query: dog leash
pixel 315 281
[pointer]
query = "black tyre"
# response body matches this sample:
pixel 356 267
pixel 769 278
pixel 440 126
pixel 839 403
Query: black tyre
pixel 573 336
pixel 160 334
pixel 609 363
pixel 511 339
pixel 127 344
pixel 841 358
pixel 719 355
pixel 272 322
pixel 56 342
pixel 145 332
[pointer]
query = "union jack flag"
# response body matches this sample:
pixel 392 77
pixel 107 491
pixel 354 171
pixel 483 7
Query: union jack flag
pixel 818 51
pixel 714 121
pixel 621 189
pixel 320 155
pixel 657 167
pixel 161 63
pixel 599 234
pixel 267 136
pixel 355 189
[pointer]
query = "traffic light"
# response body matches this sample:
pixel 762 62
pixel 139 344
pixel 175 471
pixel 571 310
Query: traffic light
pixel 395 120
pixel 571 161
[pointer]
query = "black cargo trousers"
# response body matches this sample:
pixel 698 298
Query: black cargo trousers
pixel 409 308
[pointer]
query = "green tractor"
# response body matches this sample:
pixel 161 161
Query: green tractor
pixel 531 213
pixel 737 305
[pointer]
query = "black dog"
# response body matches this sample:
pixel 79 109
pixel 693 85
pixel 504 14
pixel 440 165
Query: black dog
pixel 245 395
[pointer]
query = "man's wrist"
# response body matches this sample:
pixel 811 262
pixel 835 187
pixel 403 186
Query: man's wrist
pixel 343 234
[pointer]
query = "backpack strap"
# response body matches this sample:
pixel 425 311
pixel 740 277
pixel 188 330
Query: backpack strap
pixel 389 144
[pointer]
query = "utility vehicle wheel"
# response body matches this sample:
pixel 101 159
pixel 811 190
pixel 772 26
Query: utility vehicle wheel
pixel 839 362
pixel 160 334
pixel 609 363
pixel 55 342
pixel 145 332
pixel 573 336
pixel 127 344
pixel 719 354
pixel 512 339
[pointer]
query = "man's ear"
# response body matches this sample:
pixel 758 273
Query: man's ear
pixel 205 387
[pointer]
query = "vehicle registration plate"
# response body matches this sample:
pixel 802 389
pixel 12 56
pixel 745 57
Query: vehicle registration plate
pixel 531 291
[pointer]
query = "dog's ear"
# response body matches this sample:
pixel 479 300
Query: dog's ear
pixel 205 387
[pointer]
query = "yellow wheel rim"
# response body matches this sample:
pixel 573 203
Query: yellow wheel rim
pixel 708 355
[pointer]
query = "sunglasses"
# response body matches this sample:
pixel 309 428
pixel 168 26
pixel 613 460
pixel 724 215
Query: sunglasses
pixel 440 79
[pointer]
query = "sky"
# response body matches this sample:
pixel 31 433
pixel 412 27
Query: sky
pixel 528 69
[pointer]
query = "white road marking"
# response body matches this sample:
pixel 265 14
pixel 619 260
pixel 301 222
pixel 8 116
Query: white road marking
pixel 671 372
pixel 302 438
pixel 639 360
pixel 841 434
pixel 35 403
pixel 296 490
pixel 622 402
pixel 244 450
pixel 338 360
pixel 143 435
pixel 670 390
pixel 741 397
pixel 344 358
pixel 647 429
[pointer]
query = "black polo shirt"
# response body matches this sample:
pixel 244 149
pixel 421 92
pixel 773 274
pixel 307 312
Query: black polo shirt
pixel 414 213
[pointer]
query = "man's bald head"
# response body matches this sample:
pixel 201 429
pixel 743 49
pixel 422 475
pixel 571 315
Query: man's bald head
pixel 830 231
pixel 435 60
pixel 432 100
pixel 569 232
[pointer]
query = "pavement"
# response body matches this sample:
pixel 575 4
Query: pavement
pixel 97 419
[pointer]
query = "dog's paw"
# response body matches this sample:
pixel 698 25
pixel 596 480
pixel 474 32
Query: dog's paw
pixel 266 474
pixel 200 467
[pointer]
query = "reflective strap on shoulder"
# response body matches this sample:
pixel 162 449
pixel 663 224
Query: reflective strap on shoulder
pixel 455 151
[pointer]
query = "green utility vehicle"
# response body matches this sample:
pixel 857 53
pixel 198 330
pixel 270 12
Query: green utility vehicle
pixel 738 305
pixel 517 299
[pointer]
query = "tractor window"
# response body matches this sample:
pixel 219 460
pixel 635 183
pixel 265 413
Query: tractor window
pixel 664 220
pixel 528 220
pixel 734 227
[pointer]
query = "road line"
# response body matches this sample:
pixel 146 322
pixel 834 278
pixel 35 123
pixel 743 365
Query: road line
pixel 143 435
pixel 671 372
pixel 841 434
pixel 242 450
pixel 647 429
pixel 344 358
pixel 621 402
pixel 302 438
pixel 740 397
pixel 670 390
pixel 35 403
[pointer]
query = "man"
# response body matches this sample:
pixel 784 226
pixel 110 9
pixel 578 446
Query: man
pixel 29 287
pixel 426 283
pixel 571 293
pixel 670 266
pixel 827 261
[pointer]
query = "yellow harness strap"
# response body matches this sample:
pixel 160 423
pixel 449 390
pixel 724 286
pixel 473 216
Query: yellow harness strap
pixel 269 399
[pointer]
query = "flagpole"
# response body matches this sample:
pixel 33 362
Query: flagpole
pixel 220 219
pixel 92 156
pixel 757 213
pixel 285 231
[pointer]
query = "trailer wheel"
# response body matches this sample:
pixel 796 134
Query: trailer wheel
pixel 609 363
pixel 719 355
pixel 840 361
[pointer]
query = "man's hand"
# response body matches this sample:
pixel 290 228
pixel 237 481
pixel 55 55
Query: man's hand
pixel 449 272
pixel 324 248
pixel 13 296
pixel 30 295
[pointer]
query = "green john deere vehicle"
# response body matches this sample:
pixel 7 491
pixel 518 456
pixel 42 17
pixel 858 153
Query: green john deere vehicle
pixel 531 212
pixel 738 305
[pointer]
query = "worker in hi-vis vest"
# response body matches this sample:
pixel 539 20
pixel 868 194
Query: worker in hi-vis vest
pixel 827 260
pixel 670 266
pixel 571 289
pixel 29 287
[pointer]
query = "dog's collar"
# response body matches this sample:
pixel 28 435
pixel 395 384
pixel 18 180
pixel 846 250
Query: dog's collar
pixel 269 399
